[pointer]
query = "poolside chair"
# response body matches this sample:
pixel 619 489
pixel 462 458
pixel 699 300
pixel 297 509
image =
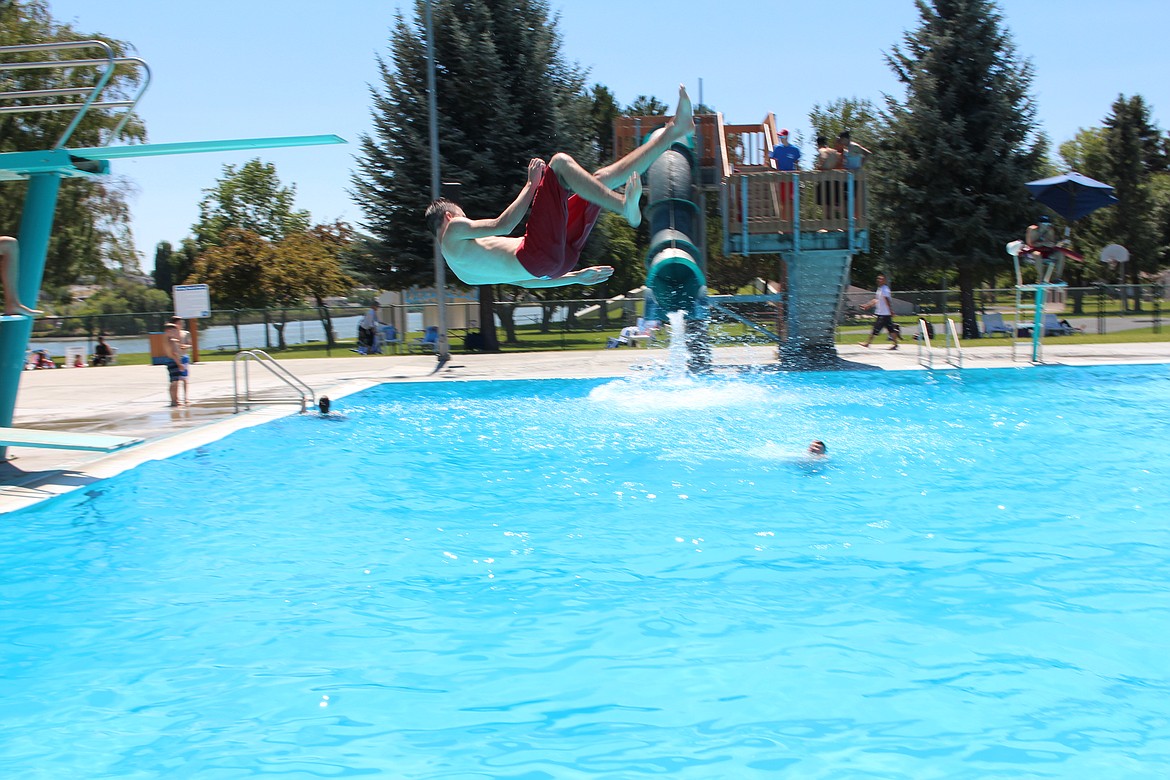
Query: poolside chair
pixel 645 330
pixel 388 336
pixel 1054 327
pixel 428 343
pixel 993 323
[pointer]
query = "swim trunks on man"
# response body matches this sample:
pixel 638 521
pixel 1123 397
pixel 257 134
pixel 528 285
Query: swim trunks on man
pixel 558 227
pixel 174 370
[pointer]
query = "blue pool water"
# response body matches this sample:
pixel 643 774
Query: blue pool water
pixel 640 577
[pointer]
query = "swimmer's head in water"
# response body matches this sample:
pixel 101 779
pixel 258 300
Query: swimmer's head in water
pixel 818 448
pixel 438 210
pixel 324 404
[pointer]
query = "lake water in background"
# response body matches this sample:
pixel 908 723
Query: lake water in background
pixel 252 336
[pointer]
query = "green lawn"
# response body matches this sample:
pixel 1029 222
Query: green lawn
pixel 723 334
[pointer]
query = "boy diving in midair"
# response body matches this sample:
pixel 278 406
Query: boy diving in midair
pixel 565 200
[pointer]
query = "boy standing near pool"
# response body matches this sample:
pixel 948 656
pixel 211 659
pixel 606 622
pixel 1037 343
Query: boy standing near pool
pixel 565 200
pixel 175 372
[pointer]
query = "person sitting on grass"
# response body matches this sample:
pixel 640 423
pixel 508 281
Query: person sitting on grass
pixel 565 202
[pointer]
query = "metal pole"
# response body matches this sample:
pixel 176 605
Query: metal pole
pixel 443 350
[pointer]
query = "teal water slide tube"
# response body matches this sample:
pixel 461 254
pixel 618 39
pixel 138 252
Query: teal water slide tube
pixel 675 269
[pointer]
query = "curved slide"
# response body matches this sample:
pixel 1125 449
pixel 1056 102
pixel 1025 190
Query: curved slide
pixel 674 266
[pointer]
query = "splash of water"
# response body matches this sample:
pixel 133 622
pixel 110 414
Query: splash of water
pixel 676 355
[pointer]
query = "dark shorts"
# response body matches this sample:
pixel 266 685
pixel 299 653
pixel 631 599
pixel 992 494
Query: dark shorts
pixel 886 321
pixel 175 371
pixel 558 227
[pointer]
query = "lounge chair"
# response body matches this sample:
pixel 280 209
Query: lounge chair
pixel 428 343
pixel 1054 327
pixel 645 330
pixel 388 336
pixel 993 323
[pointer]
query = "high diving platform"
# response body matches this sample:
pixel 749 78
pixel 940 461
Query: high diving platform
pixel 89 67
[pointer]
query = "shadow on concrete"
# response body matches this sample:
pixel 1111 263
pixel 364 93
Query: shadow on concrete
pixel 13 477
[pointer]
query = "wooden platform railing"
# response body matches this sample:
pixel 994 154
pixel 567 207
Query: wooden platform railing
pixel 763 201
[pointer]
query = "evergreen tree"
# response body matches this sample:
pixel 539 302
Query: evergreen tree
pixel 1128 153
pixel 504 95
pixel 1133 153
pixel 164 269
pixel 603 111
pixel 949 182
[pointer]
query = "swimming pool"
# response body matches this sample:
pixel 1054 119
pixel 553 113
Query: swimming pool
pixel 533 579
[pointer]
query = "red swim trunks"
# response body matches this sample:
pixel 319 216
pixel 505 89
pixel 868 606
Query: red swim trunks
pixel 558 226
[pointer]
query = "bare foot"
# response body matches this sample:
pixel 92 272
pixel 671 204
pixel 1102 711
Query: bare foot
pixel 631 202
pixel 683 123
pixel 20 308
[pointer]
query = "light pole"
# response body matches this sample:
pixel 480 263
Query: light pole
pixel 443 349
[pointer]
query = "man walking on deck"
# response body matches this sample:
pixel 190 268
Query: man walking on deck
pixel 882 305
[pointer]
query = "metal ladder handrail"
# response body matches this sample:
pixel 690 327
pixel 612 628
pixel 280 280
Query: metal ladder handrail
pixel 91 94
pixel 924 345
pixel 303 391
pixel 953 335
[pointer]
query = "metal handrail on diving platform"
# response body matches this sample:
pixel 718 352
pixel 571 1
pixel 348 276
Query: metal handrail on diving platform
pixel 304 393
pixel 89 95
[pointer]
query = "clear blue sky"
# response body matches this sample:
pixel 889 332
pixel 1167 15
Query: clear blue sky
pixel 258 68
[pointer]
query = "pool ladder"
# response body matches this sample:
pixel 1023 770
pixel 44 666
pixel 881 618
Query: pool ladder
pixel 926 353
pixel 303 393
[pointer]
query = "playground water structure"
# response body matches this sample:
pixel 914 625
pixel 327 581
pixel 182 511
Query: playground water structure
pixel 631 577
pixel 814 220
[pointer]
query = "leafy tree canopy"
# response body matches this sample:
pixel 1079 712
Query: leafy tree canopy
pixel 250 198
pixel 91 227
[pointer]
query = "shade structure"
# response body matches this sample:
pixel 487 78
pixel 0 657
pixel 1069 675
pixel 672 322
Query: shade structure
pixel 1072 195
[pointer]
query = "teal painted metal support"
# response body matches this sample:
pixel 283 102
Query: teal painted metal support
pixel 36 225
pixel 1038 323
pixel 743 212
pixel 795 213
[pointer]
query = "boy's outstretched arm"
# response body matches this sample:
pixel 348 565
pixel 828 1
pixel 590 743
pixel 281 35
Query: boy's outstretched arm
pixel 509 218
pixel 586 276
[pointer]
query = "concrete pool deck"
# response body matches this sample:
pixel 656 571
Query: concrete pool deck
pixel 132 400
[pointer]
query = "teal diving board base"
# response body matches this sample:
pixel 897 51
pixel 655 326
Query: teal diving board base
pixel 63 440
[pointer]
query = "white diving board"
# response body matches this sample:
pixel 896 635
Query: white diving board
pixel 63 440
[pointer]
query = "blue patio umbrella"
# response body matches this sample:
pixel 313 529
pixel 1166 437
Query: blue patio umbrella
pixel 1072 195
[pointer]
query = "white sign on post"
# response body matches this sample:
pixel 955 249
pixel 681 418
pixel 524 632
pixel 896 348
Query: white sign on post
pixel 192 300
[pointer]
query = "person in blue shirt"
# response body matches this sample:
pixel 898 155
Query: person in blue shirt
pixel 787 158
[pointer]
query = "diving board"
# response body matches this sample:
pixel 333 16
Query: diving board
pixel 63 440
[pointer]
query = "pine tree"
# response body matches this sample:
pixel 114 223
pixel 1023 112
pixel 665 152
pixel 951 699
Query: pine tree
pixel 1128 152
pixel 1133 153
pixel 504 95
pixel 950 179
